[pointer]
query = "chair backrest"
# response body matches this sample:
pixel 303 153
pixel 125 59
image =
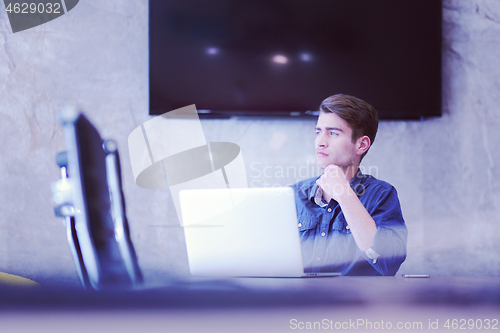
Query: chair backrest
pixel 100 238
pixel 62 196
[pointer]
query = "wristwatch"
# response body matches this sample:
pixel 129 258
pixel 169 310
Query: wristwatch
pixel 371 254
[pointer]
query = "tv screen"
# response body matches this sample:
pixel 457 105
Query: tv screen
pixel 283 57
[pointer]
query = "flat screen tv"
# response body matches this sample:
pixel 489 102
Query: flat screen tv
pixel 283 57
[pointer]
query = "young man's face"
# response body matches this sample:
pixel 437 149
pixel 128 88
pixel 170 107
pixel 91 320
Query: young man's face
pixel 334 142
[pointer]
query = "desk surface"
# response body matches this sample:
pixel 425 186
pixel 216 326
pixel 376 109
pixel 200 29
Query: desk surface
pixel 263 304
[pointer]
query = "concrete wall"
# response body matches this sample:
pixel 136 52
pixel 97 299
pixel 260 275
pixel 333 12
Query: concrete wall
pixel 96 56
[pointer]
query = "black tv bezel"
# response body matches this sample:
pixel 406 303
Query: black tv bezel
pixel 298 114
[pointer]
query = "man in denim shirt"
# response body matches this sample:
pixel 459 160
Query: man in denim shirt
pixel 349 222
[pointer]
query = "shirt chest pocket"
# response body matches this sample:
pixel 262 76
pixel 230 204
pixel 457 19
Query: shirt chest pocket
pixel 307 223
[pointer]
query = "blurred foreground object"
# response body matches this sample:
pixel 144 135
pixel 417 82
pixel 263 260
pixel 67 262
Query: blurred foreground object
pixel 90 199
pixel 14 280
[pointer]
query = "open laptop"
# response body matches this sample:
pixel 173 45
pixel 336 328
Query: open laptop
pixel 248 232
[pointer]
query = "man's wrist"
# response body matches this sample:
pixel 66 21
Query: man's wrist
pixel 346 194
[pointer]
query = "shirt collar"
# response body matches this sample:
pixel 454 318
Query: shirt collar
pixel 356 185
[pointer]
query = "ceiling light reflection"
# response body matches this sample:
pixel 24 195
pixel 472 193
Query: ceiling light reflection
pixel 305 57
pixel 212 50
pixel 280 59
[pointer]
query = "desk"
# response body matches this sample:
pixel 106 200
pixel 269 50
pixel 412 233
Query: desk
pixel 262 305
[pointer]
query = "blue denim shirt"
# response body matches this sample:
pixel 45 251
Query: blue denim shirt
pixel 326 240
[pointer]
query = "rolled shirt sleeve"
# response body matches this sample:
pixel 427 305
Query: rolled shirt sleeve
pixel 391 237
pixel 326 239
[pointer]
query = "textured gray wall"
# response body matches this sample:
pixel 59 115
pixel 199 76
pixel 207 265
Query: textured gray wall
pixel 96 56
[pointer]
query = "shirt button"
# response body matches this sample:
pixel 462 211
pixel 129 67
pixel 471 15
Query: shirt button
pixel 318 259
pixel 300 225
pixel 348 227
pixel 323 234
pixel 329 210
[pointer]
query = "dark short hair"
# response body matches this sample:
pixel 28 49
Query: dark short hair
pixel 361 116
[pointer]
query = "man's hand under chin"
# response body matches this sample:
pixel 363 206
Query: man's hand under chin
pixel 334 183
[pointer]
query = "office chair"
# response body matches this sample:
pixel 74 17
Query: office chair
pixel 90 199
